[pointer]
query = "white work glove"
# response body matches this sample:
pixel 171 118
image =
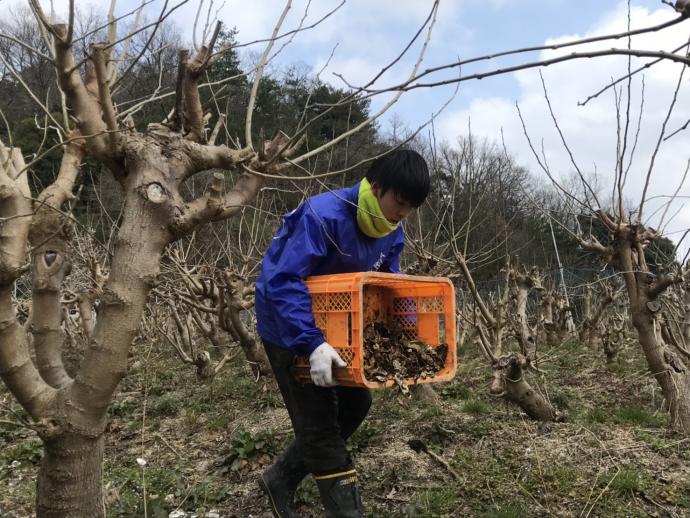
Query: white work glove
pixel 321 362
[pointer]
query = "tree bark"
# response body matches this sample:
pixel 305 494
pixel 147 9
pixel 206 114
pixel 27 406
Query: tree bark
pixel 256 355
pixel 668 368
pixel 611 352
pixel 70 478
pixel 686 314
pixel 548 319
pixel 509 382
pixel 135 267
pixel 589 332
pixel 520 392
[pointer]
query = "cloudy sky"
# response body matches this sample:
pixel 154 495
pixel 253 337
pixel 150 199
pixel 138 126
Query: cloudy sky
pixel 365 35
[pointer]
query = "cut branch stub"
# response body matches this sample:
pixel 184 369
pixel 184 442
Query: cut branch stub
pixel 155 193
pixel 505 361
pixel 49 257
pixel 178 117
pixel 275 146
pixel 216 191
pixel 654 306
pixel 683 7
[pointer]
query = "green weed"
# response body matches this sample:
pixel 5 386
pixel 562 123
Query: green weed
pixel 455 391
pixel 660 444
pixel 561 476
pixel 627 481
pixel 595 416
pixel 219 422
pixel 638 416
pixel 168 404
pixel 244 446
pixel 123 407
pixel 475 407
pixel 26 453
pixel 505 511
pixel 433 503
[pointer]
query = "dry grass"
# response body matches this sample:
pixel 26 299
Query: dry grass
pixel 205 446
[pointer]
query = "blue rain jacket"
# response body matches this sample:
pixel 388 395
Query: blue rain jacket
pixel 320 237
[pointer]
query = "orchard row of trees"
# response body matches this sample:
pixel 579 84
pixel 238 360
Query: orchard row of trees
pixel 140 183
pixel 483 177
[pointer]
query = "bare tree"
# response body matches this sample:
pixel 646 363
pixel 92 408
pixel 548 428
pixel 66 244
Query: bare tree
pixel 152 168
pixel 613 337
pixel 625 252
pixel 493 326
pixel 590 330
pixel 210 303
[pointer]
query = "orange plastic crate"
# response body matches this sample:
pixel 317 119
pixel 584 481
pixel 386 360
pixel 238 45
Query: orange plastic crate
pixel 344 304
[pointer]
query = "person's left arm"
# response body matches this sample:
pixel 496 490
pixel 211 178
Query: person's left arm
pixel 391 263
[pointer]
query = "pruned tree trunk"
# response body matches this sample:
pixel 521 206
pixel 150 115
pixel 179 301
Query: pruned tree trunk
pixel 547 302
pixel 686 305
pixel 612 339
pixel 520 392
pixel 670 371
pixel 625 252
pixel 589 330
pixel 564 322
pixel 70 477
pixel 508 371
pixel 522 282
pixel 611 354
pixel 585 329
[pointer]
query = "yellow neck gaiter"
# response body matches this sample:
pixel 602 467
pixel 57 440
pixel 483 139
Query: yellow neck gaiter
pixel 370 218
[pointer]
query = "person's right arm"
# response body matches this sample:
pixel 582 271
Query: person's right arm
pixel 302 252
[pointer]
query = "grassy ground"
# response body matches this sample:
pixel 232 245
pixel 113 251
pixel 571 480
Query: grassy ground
pixel 205 445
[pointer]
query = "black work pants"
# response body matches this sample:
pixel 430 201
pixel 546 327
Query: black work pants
pixel 322 417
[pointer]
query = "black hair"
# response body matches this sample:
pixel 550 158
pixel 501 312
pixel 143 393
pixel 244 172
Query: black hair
pixel 405 172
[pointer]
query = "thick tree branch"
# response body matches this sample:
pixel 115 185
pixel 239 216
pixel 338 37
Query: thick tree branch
pixel 593 245
pixel 50 270
pixel 203 158
pixel 99 57
pixel 84 105
pixel 49 237
pixel 607 221
pixel 15 214
pixel 134 269
pixel 16 368
pixel 662 284
pixel 60 191
pixel 214 206
pixel 193 111
pixel 178 117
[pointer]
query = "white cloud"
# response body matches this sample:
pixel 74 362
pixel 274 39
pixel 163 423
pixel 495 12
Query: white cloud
pixel 591 130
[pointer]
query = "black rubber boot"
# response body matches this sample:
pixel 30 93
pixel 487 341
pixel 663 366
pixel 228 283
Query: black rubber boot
pixel 281 480
pixel 340 494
